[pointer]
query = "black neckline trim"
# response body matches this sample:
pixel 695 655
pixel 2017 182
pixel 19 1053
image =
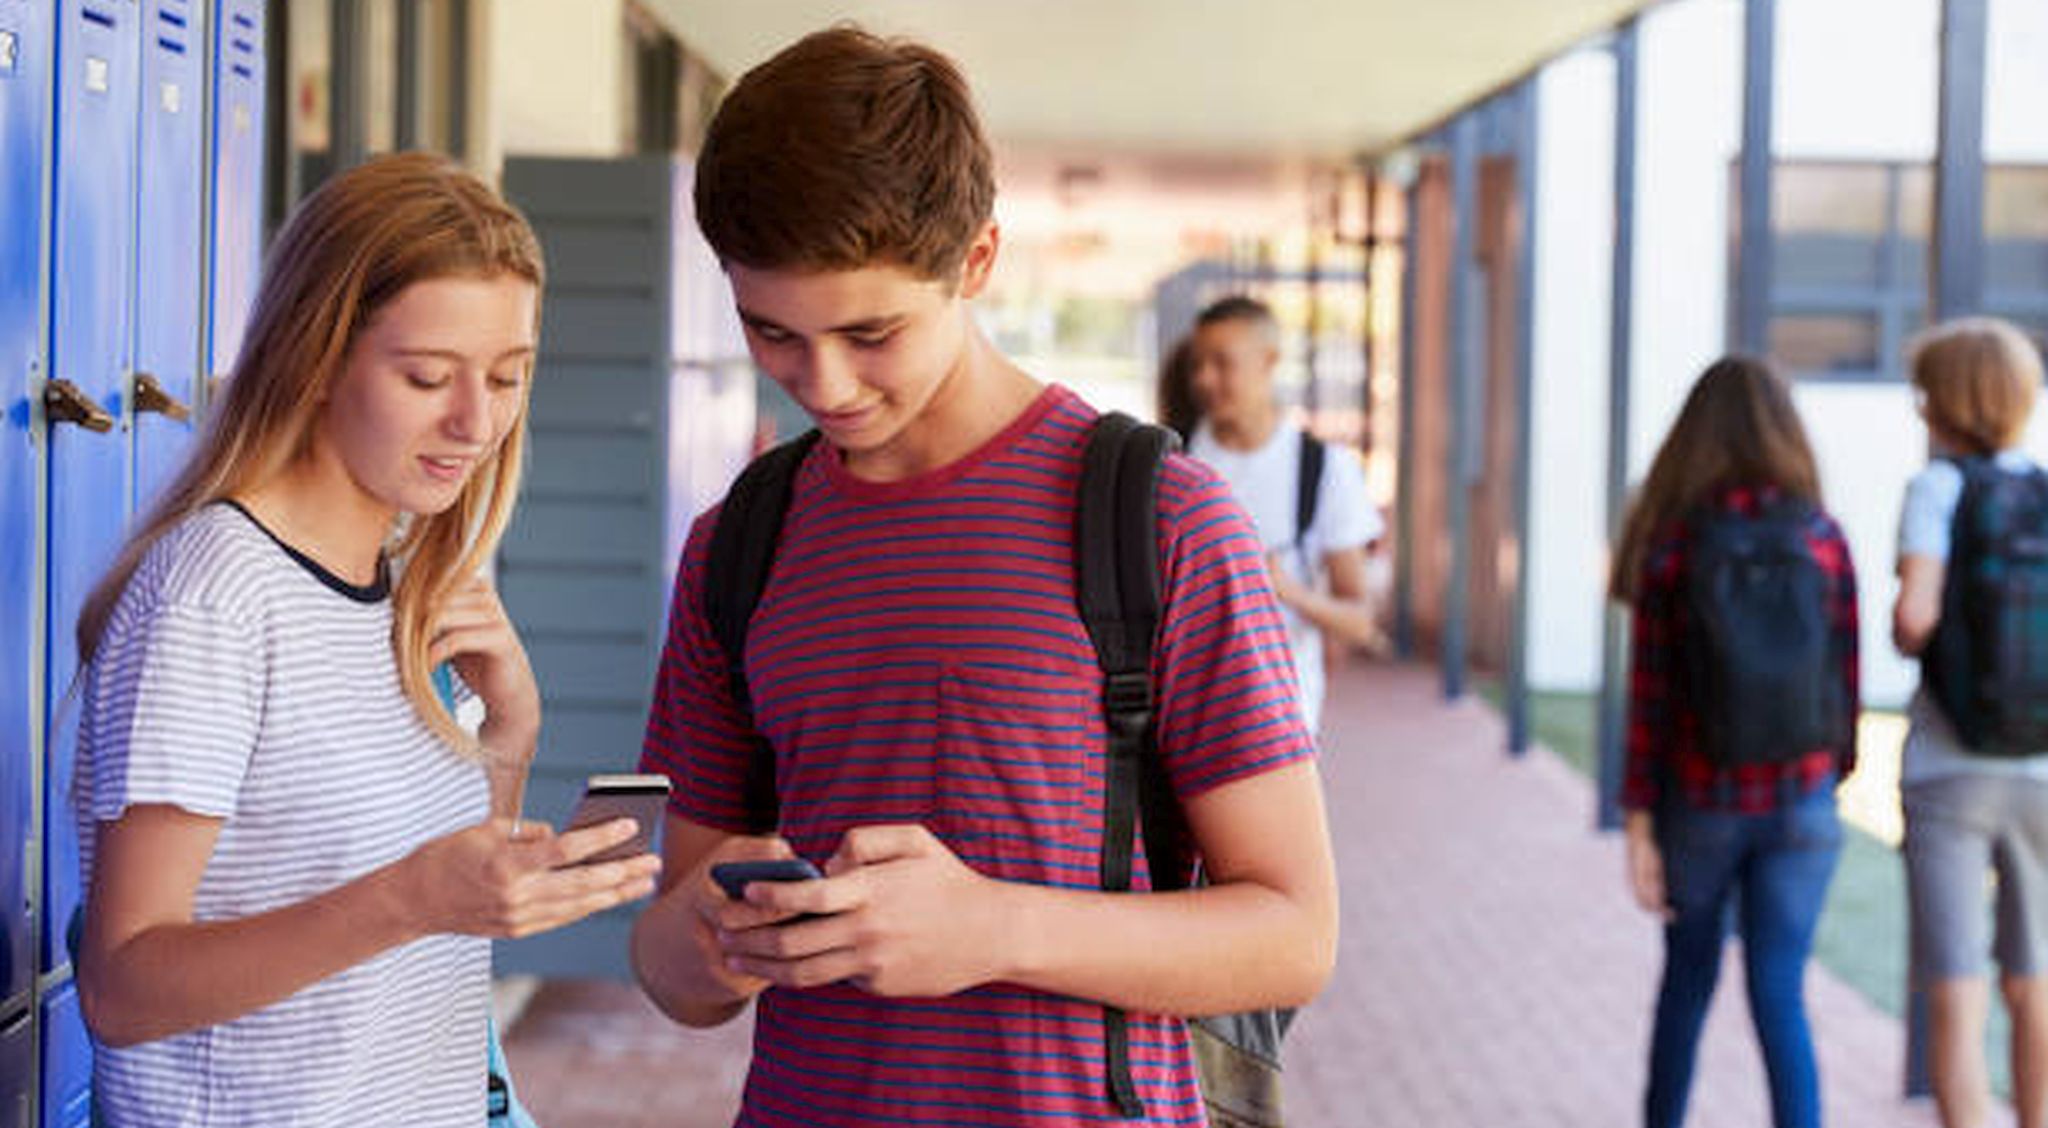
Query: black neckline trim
pixel 374 592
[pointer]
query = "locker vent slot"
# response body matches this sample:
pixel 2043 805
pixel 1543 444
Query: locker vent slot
pixel 170 17
pixel 171 45
pixel 94 15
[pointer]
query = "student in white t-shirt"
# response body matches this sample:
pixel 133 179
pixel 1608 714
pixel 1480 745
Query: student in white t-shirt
pixel 294 856
pixel 1316 542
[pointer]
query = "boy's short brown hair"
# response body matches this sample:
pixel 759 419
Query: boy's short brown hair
pixel 843 151
pixel 1977 378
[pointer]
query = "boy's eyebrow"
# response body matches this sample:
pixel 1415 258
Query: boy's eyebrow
pixel 864 325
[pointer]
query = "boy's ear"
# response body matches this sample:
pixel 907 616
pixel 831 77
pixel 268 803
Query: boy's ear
pixel 981 260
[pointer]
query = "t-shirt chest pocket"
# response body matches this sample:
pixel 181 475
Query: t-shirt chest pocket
pixel 1019 766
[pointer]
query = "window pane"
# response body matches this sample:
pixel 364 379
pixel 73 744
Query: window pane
pixel 1830 221
pixel 2016 228
pixel 1826 345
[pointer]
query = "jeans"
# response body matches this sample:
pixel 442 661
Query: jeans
pixel 1774 870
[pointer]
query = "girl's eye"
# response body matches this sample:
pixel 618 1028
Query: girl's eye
pixel 506 381
pixel 426 381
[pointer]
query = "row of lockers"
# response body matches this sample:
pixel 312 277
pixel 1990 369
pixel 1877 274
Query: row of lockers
pixel 131 145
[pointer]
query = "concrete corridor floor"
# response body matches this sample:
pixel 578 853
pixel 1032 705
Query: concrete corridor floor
pixel 1492 973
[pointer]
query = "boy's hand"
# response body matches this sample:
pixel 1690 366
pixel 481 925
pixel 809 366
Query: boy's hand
pixel 1280 573
pixel 897 914
pixel 714 916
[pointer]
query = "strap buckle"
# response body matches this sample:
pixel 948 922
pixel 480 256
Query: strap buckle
pixel 1127 701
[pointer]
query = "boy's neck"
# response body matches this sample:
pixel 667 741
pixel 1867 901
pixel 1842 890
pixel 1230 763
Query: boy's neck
pixel 984 394
pixel 1250 432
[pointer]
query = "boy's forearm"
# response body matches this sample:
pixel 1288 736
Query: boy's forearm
pixel 670 964
pixel 1195 952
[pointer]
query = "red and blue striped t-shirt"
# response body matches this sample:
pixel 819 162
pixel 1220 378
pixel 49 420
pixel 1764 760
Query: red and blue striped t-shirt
pixel 917 657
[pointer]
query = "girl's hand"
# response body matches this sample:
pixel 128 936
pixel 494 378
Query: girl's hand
pixel 497 881
pixel 1646 866
pixel 473 632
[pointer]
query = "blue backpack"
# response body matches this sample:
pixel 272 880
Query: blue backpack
pixel 1987 663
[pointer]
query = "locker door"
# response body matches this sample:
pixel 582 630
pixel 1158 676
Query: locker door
pixel 97 69
pixel 17 1070
pixel 169 222
pixel 67 1062
pixel 237 176
pixel 24 129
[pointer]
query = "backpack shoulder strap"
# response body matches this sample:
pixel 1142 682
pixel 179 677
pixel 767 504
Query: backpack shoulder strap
pixel 1117 588
pixel 1308 484
pixel 736 569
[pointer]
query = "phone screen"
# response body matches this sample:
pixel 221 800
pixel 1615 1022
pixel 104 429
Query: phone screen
pixel 642 798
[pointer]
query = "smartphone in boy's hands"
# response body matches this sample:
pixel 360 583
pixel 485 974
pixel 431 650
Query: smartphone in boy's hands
pixel 642 798
pixel 734 877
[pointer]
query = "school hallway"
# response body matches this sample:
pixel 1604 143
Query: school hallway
pixel 1493 972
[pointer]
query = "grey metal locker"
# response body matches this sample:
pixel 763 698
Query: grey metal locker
pixel 643 409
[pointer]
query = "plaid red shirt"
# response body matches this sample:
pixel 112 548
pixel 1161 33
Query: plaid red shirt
pixel 1663 727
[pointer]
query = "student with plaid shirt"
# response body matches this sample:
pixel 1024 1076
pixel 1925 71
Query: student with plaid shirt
pixel 1704 830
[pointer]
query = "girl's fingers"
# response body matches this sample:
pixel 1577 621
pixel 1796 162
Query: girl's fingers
pixel 465 640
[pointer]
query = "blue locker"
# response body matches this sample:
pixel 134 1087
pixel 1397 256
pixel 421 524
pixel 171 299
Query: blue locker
pixel 169 223
pixel 24 129
pixel 237 251
pixel 98 71
pixel 18 1071
pixel 66 1098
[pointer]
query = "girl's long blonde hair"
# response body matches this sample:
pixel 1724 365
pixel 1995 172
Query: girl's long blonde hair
pixel 349 249
pixel 1738 427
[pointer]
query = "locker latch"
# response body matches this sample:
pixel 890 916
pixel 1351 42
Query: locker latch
pixel 151 396
pixel 63 402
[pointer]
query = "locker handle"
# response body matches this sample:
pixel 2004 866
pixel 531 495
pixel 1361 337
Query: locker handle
pixel 64 403
pixel 151 396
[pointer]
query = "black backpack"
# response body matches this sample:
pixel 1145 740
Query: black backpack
pixel 1116 509
pixel 1760 660
pixel 1308 485
pixel 1987 662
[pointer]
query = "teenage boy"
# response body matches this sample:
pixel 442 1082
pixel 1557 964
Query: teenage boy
pixel 919 668
pixel 1318 566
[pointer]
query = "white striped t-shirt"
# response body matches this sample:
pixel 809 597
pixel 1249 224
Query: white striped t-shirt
pixel 241 681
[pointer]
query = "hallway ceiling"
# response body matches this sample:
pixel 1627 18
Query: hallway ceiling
pixel 1274 78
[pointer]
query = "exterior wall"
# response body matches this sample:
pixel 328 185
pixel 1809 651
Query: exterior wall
pixel 1876 103
pixel 1567 561
pixel 1495 553
pixel 2015 129
pixel 1689 113
pixel 556 71
pixel 1431 388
